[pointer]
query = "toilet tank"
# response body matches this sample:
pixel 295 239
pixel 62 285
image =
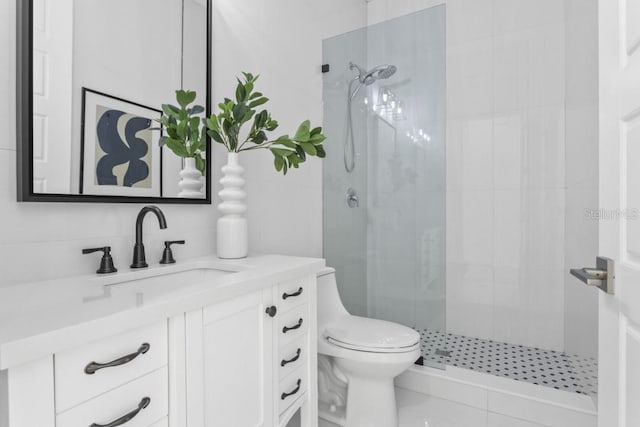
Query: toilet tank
pixel 330 305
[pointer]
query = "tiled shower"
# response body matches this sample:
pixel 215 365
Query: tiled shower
pixel 472 199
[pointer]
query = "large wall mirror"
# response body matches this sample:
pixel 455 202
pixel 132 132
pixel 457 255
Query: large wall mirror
pixel 92 77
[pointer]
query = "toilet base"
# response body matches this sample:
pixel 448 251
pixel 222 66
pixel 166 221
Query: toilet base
pixel 371 402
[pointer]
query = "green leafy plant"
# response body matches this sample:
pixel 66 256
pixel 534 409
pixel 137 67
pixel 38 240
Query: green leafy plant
pixel 288 151
pixel 185 131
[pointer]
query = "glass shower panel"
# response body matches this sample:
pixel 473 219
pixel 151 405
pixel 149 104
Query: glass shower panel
pixel 345 228
pixel 391 247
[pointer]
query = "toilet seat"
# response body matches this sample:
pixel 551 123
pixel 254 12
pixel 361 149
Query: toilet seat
pixel 371 335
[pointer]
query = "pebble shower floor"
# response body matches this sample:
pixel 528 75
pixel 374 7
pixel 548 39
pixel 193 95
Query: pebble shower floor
pixel 542 367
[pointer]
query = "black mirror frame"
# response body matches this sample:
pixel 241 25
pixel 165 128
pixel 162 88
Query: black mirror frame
pixel 24 119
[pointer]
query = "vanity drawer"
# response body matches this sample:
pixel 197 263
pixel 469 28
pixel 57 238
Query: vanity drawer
pixel 127 351
pixel 291 294
pixel 292 356
pixel 124 400
pixel 293 325
pixel 291 388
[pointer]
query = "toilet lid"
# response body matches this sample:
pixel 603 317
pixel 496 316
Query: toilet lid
pixel 364 334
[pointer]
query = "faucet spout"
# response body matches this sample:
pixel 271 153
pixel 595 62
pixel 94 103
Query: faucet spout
pixel 139 258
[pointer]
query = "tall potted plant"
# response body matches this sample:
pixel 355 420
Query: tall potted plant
pixel 185 135
pixel 227 128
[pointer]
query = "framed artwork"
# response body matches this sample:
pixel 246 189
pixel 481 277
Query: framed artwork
pixel 119 151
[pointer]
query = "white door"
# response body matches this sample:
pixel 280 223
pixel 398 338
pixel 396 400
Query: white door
pixel 52 94
pixel 237 360
pixel 619 331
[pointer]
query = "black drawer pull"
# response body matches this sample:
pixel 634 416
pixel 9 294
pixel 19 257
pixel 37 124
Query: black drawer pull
pixel 295 294
pixel 92 367
pixel 283 396
pixel 291 328
pixel 293 359
pixel 128 417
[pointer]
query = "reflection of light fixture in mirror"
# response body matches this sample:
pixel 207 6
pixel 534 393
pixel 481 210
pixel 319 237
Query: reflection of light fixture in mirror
pixel 398 112
pixel 419 136
pixel 389 106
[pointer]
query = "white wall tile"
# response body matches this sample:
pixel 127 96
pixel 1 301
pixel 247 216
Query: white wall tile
pixel 581 243
pixel 515 79
pixel 509 150
pixel 470 227
pixel 509 306
pixel 469 20
pixel 470 300
pixel 543 228
pixel 518 15
pixel 470 79
pixel 470 154
pixel 378 11
pixel 509 233
pixel 510 66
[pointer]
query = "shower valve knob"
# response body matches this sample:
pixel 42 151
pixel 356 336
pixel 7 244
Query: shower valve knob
pixel 352 198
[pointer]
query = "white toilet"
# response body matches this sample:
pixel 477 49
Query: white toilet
pixel 358 358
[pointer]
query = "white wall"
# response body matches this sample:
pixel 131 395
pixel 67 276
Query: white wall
pixel 282 41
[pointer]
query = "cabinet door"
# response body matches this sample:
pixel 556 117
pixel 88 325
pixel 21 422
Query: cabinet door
pixel 238 362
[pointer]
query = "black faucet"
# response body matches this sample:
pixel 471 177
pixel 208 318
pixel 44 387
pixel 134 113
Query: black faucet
pixel 139 259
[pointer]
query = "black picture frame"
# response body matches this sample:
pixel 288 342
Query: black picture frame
pixel 86 92
pixel 24 122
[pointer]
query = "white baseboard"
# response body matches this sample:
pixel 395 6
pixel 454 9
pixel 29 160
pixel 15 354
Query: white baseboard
pixel 529 402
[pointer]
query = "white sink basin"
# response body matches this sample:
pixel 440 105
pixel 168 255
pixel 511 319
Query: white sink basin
pixel 160 283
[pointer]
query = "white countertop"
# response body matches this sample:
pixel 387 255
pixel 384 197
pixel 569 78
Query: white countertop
pixel 39 319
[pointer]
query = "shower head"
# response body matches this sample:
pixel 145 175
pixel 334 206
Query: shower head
pixel 369 77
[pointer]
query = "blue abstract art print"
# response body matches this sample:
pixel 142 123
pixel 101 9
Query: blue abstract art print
pixel 120 155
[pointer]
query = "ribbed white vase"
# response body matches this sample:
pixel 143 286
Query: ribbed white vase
pixel 191 182
pixel 233 238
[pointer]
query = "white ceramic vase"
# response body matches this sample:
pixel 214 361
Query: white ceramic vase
pixel 191 182
pixel 233 238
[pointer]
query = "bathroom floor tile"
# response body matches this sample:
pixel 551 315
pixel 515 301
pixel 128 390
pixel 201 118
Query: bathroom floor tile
pixel 548 368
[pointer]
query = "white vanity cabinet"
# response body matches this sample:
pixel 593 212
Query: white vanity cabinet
pixel 251 360
pixel 233 350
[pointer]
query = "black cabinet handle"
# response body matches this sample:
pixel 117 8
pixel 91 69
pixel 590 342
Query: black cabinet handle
pixel 271 311
pixel 283 396
pixel 128 417
pixel 92 367
pixel 293 359
pixel 295 294
pixel 291 328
